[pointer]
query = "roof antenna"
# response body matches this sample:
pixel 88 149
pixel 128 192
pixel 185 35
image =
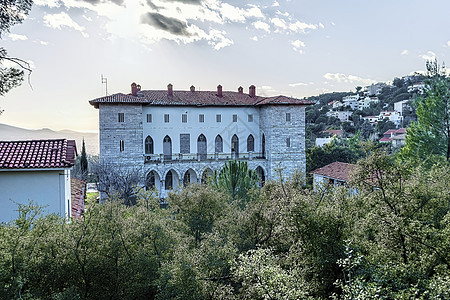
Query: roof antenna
pixel 105 82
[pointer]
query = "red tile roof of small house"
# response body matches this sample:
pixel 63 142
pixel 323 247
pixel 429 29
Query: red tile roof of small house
pixel 333 132
pixel 78 193
pixel 336 170
pixel 385 140
pixel 37 154
pixel 196 98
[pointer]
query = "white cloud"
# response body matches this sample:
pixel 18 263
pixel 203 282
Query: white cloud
pixel 43 43
pixel 448 44
pixel 218 40
pixel 17 37
pixel 342 78
pixel 300 84
pixel 255 38
pixel 262 25
pixel 404 52
pixel 280 23
pixel 430 55
pixel 275 4
pixel 321 25
pixel 301 26
pixel 298 45
pixel 58 21
pixel 49 3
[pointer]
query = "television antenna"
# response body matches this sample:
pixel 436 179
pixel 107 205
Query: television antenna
pixel 105 82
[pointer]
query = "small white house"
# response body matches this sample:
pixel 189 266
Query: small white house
pixel 334 174
pixel 38 171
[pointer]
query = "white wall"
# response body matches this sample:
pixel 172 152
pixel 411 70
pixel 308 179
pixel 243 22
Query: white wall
pixel 46 188
pixel 158 129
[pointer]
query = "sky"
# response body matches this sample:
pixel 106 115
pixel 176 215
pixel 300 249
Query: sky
pixel 296 48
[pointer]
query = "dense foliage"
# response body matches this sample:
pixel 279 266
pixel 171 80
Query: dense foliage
pixel 390 240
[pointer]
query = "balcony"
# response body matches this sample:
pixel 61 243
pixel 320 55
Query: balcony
pixel 190 157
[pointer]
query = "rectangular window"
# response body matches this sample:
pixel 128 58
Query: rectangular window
pixel 149 118
pixel 288 117
pixel 201 118
pixel 185 142
pixel 218 118
pixel 234 118
pixel 121 117
pixel 250 118
pixel 121 146
pixel 166 118
pixel 184 118
pixel 288 142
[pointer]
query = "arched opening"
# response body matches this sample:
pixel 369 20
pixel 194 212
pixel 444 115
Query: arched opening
pixel 235 147
pixel 261 175
pixel 263 146
pixel 189 177
pixel 250 143
pixel 201 147
pixel 167 148
pixel 206 174
pixel 218 144
pixel 149 145
pixel 152 181
pixel 171 181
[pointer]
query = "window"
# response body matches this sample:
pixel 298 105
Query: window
pixel 235 146
pixel 149 145
pixel 151 181
pixel 201 118
pixel 250 118
pixel 288 117
pixel 149 118
pixel 169 181
pixel 185 143
pixel 167 148
pixel 234 118
pixel 219 144
pixel 121 117
pixel 250 143
pixel 201 147
pixel 166 118
pixel 121 145
pixel 218 118
pixel 288 142
pixel 184 118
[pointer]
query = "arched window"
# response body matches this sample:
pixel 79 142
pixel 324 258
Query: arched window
pixel 263 146
pixel 250 143
pixel 201 147
pixel 169 181
pixel 219 144
pixel 167 148
pixel 149 145
pixel 261 175
pixel 235 146
pixel 150 182
pixel 186 179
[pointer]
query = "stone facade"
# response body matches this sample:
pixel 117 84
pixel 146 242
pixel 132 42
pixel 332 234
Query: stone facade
pixel 269 137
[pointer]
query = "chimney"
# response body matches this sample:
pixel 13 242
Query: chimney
pixel 134 89
pixel 170 89
pixel 192 88
pixel 252 91
pixel 219 91
pixel 240 90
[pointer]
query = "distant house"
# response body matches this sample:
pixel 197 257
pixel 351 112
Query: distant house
pixel 402 107
pixel 343 116
pixel 365 103
pixel 392 115
pixel 373 120
pixel 332 133
pixel 351 101
pixel 36 170
pixel 337 173
pixel 398 134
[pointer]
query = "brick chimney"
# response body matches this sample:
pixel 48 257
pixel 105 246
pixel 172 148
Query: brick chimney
pixel 252 91
pixel 170 89
pixel 134 89
pixel 219 91
pixel 192 88
pixel 138 88
pixel 240 90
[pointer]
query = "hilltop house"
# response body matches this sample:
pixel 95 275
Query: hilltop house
pixel 334 174
pixel 39 171
pixel 179 137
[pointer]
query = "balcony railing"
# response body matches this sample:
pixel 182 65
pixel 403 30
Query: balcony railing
pixel 190 157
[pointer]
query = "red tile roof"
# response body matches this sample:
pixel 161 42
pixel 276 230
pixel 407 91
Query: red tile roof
pixel 385 140
pixel 78 191
pixel 333 132
pixel 37 154
pixel 337 170
pixel 197 98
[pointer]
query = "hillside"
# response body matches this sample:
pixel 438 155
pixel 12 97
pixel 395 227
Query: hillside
pixel 9 133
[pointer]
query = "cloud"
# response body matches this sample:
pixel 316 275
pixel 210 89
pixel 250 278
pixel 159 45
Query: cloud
pixel 49 3
pixel 254 38
pixel 17 37
pixel 404 52
pixel 301 26
pixel 218 40
pixel 342 78
pixel 430 55
pixel 275 4
pixel 448 44
pixel 300 84
pixel 161 22
pixel 58 21
pixel 298 45
pixel 262 25
pixel 43 43
pixel 280 23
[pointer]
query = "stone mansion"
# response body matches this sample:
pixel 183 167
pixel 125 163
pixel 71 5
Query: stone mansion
pixel 181 137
